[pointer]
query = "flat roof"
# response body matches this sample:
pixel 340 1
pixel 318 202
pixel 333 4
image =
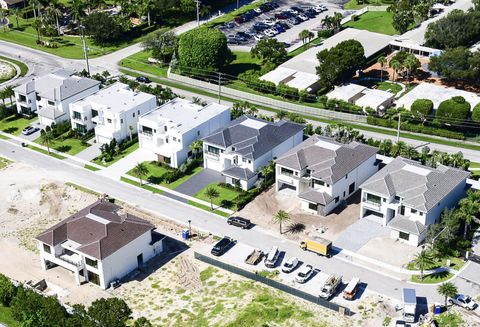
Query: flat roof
pixel 302 80
pixel 437 94
pixel 345 92
pixel 374 98
pixel 184 114
pixel 117 98
pixel 278 75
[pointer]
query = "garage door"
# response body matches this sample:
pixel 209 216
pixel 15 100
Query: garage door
pixel 213 164
pixel 373 213
pixel 287 187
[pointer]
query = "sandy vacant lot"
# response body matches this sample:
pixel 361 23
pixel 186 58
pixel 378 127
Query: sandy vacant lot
pixel 261 210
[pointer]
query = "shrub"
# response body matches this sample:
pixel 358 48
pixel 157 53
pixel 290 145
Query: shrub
pixel 453 111
pixel 172 176
pixel 476 113
pixel 421 108
pixel 287 92
pixel 7 291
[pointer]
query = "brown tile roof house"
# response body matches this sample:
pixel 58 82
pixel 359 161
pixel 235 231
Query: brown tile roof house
pixel 100 230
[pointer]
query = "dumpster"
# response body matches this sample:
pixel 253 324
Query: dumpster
pixel 437 309
pixel 185 234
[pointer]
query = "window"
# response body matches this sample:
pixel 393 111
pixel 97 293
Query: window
pixel 22 98
pixel 93 277
pixel 138 112
pixel 346 176
pixel 244 159
pixel 133 114
pixel 38 97
pixel 213 150
pixel 91 263
pixel 402 210
pixel 94 113
pixel 121 121
pixel 249 161
pixel 318 182
pixel 313 206
pixel 46 248
pixel 373 198
pixel 413 211
pixel 397 198
pixel 81 128
pixel 50 103
pixel 165 128
pixel 77 115
pixel 337 199
pixel 198 133
pixel 174 139
pixel 146 130
pixel 286 172
pixel 404 236
pixel 109 120
pixel 351 188
pixel 233 148
pixel 420 213
pixel 166 140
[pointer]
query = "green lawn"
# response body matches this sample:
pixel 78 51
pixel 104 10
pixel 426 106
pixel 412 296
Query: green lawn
pixel 55 155
pixel 225 198
pixel 374 21
pixel 6 317
pixel 474 165
pixel 231 15
pixel 243 62
pixel 144 186
pixel 384 86
pixel 207 208
pixel 432 278
pixel 71 146
pixel 90 167
pixel 356 4
pixel 455 263
pixel 122 155
pixel 156 172
pixel 139 61
pixel 15 124
pixel 23 67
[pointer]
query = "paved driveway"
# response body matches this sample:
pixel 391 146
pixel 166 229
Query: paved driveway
pixel 359 233
pixel 199 181
pixel 90 153
pixel 122 166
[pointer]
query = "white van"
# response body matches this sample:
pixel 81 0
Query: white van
pixel 272 257
pixel 351 289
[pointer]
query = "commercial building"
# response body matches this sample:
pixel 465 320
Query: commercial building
pixel 169 130
pixel 113 112
pixel 99 244
pixel 408 197
pixel 241 148
pixel 323 173
pixel 49 96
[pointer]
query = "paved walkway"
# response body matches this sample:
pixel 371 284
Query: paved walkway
pixel 121 167
pixel 359 233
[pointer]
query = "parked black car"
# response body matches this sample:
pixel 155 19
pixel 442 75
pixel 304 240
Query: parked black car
pixel 222 246
pixel 143 79
pixel 239 222
pixel 243 35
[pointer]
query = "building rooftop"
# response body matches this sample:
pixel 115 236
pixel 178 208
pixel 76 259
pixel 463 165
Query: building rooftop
pixel 117 98
pixel 326 159
pixel 57 86
pixel 97 230
pixel 419 187
pixel 374 98
pixel 403 224
pixel 346 92
pixel 184 114
pixel 251 137
pixel 437 94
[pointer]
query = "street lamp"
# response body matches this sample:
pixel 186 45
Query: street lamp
pixel 197 2
pixel 189 228
pixel 85 49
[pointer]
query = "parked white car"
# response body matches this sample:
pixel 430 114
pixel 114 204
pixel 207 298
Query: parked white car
pixel 302 17
pixel 269 22
pixel 258 37
pixel 290 265
pixel 304 274
pixel 272 257
pixel 464 301
pixel 270 32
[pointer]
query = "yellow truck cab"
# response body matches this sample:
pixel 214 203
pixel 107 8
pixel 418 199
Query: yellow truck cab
pixel 318 245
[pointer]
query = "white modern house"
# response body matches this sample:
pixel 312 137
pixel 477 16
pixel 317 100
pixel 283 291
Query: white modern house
pixel 99 244
pixel 49 96
pixel 241 148
pixel 323 173
pixel 408 197
pixel 113 112
pixel 362 96
pixel 169 130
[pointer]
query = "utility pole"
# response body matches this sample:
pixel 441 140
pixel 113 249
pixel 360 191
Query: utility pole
pixel 398 127
pixel 85 49
pixel 198 11
pixel 219 86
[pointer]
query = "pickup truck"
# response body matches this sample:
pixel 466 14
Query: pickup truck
pixel 254 258
pixel 464 301
pixel 330 286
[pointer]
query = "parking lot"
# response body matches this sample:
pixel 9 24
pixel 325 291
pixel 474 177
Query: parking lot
pixel 280 19
pixel 237 254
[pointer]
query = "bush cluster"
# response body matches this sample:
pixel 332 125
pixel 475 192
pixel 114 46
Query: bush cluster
pixel 454 110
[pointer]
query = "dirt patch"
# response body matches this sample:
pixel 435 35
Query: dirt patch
pixel 390 251
pixel 261 210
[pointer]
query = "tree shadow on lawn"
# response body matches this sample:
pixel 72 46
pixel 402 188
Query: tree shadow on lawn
pixel 10 130
pixel 236 69
pixel 155 179
pixel 295 228
pixel 63 148
pixel 227 204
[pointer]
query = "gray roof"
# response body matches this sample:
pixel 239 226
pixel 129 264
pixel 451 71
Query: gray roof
pixel 238 172
pixel 251 137
pixel 316 197
pixel 50 112
pixel 99 229
pixel 327 159
pixel 406 225
pixel 58 85
pixel 419 187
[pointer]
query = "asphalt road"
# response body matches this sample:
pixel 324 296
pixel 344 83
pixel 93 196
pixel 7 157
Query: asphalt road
pixel 206 221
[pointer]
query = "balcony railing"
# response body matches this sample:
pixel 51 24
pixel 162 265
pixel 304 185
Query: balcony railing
pixel 74 259
pixel 373 203
pixel 213 154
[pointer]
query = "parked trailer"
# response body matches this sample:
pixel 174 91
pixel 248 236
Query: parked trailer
pixel 254 258
pixel 318 245
pixel 409 299
pixel 351 289
pixel 328 289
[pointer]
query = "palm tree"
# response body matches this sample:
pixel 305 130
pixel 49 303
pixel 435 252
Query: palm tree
pixel 328 22
pixel 211 193
pixel 304 35
pixel 77 9
pixel 147 7
pixel 469 208
pixel 422 260
pixel 281 217
pixel 34 4
pixel 252 111
pixel 396 66
pixel 281 114
pixel 54 10
pixel 398 148
pixel 267 171
pixel 37 25
pixel 16 13
pixel 141 171
pixel 412 64
pixel 381 61
pixel 447 289
pixel 46 137
pixel 385 147
pixel 456 159
pixel 409 152
pixel 196 147
pixel 337 20
pixel 8 92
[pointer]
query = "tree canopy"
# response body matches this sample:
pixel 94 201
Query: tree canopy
pixel 203 49
pixel 453 111
pixel 162 44
pixel 270 51
pixel 103 28
pixel 457 63
pixel 340 62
